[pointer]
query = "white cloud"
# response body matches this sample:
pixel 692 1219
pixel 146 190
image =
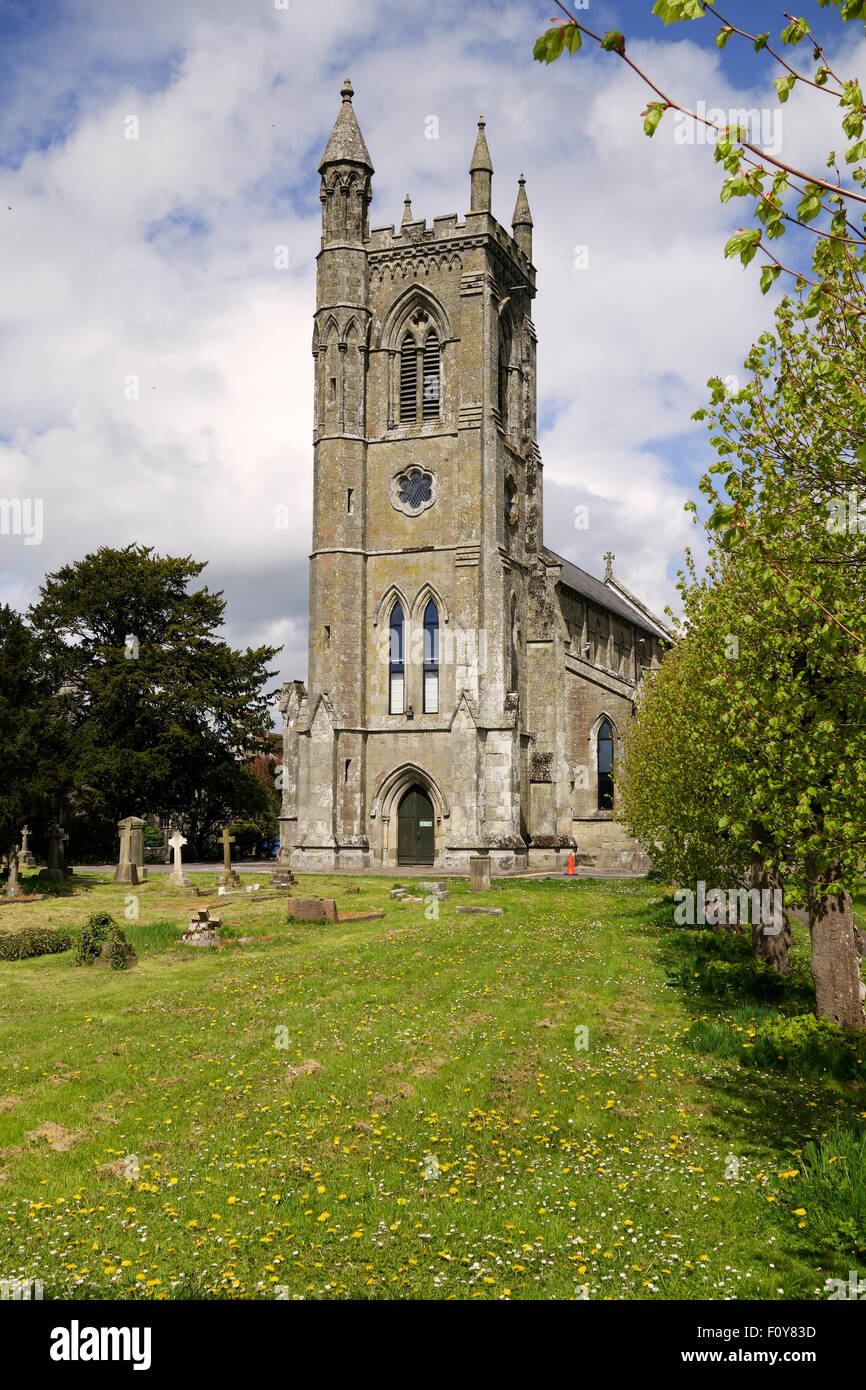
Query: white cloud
pixel 154 258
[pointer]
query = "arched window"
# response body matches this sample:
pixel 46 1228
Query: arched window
pixel 605 767
pixel 431 659
pixel 430 401
pixel 395 667
pixel 420 376
pixel 409 381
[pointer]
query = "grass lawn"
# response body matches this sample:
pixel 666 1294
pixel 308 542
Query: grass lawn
pixel 401 1108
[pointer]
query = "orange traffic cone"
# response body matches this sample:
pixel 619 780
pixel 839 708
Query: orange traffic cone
pixel 571 861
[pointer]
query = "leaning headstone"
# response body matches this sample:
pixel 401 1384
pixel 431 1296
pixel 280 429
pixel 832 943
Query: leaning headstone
pixel 56 867
pixel 177 878
pixel 228 878
pixel 479 873
pixel 13 887
pixel 127 870
pixel 26 857
pixel 203 930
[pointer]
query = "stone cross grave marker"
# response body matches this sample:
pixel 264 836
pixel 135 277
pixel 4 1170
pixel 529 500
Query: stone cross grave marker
pixel 131 831
pixel 56 868
pixel 177 878
pixel 127 870
pixel 26 858
pixel 228 878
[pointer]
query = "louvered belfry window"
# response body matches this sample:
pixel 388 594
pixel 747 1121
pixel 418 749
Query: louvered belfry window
pixel 420 379
pixel 430 399
pixel 409 381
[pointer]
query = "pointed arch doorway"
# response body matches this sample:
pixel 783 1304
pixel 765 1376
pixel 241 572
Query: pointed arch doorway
pixel 416 841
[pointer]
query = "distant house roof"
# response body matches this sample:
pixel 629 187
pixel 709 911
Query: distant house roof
pixel 589 587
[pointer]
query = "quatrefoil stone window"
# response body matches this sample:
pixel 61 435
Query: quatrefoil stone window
pixel 414 490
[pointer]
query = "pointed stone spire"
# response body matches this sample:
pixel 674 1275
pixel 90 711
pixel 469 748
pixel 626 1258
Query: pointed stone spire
pixel 521 222
pixel 346 145
pixel 481 173
pixel 407 209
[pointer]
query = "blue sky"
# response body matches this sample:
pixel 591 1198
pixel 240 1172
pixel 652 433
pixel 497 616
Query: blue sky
pixel 152 261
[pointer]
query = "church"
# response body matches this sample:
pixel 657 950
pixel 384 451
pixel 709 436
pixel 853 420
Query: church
pixel 468 689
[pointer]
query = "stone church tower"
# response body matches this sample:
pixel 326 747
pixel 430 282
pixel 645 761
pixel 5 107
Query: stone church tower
pixel 458 674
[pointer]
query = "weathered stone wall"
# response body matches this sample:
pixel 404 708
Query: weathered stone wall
pixel 517 700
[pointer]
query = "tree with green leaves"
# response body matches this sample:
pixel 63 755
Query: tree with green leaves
pixel 828 206
pixel 774 637
pixel 791 457
pixel 33 738
pixel 666 791
pixel 163 715
pixel 786 762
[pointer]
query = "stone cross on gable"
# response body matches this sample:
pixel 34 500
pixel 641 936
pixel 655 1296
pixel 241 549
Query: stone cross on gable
pixel 608 565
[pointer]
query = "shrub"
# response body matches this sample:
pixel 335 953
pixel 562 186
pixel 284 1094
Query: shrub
pixel 747 978
pixel 834 1190
pixel 118 949
pixel 34 941
pixel 92 937
pixel 801 1044
pixel 810 1046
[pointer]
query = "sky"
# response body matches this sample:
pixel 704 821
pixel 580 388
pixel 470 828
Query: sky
pixel 155 159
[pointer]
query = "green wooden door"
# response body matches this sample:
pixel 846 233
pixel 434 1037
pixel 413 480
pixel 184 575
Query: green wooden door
pixel 415 837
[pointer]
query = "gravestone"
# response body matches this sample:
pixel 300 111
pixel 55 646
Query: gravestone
pixel 313 910
pixel 26 857
pixel 435 890
pixel 104 959
pixel 228 878
pixel 283 878
pixel 203 930
pixel 177 878
pixel 127 869
pixel 13 887
pixel 131 832
pixel 56 867
pixel 479 873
